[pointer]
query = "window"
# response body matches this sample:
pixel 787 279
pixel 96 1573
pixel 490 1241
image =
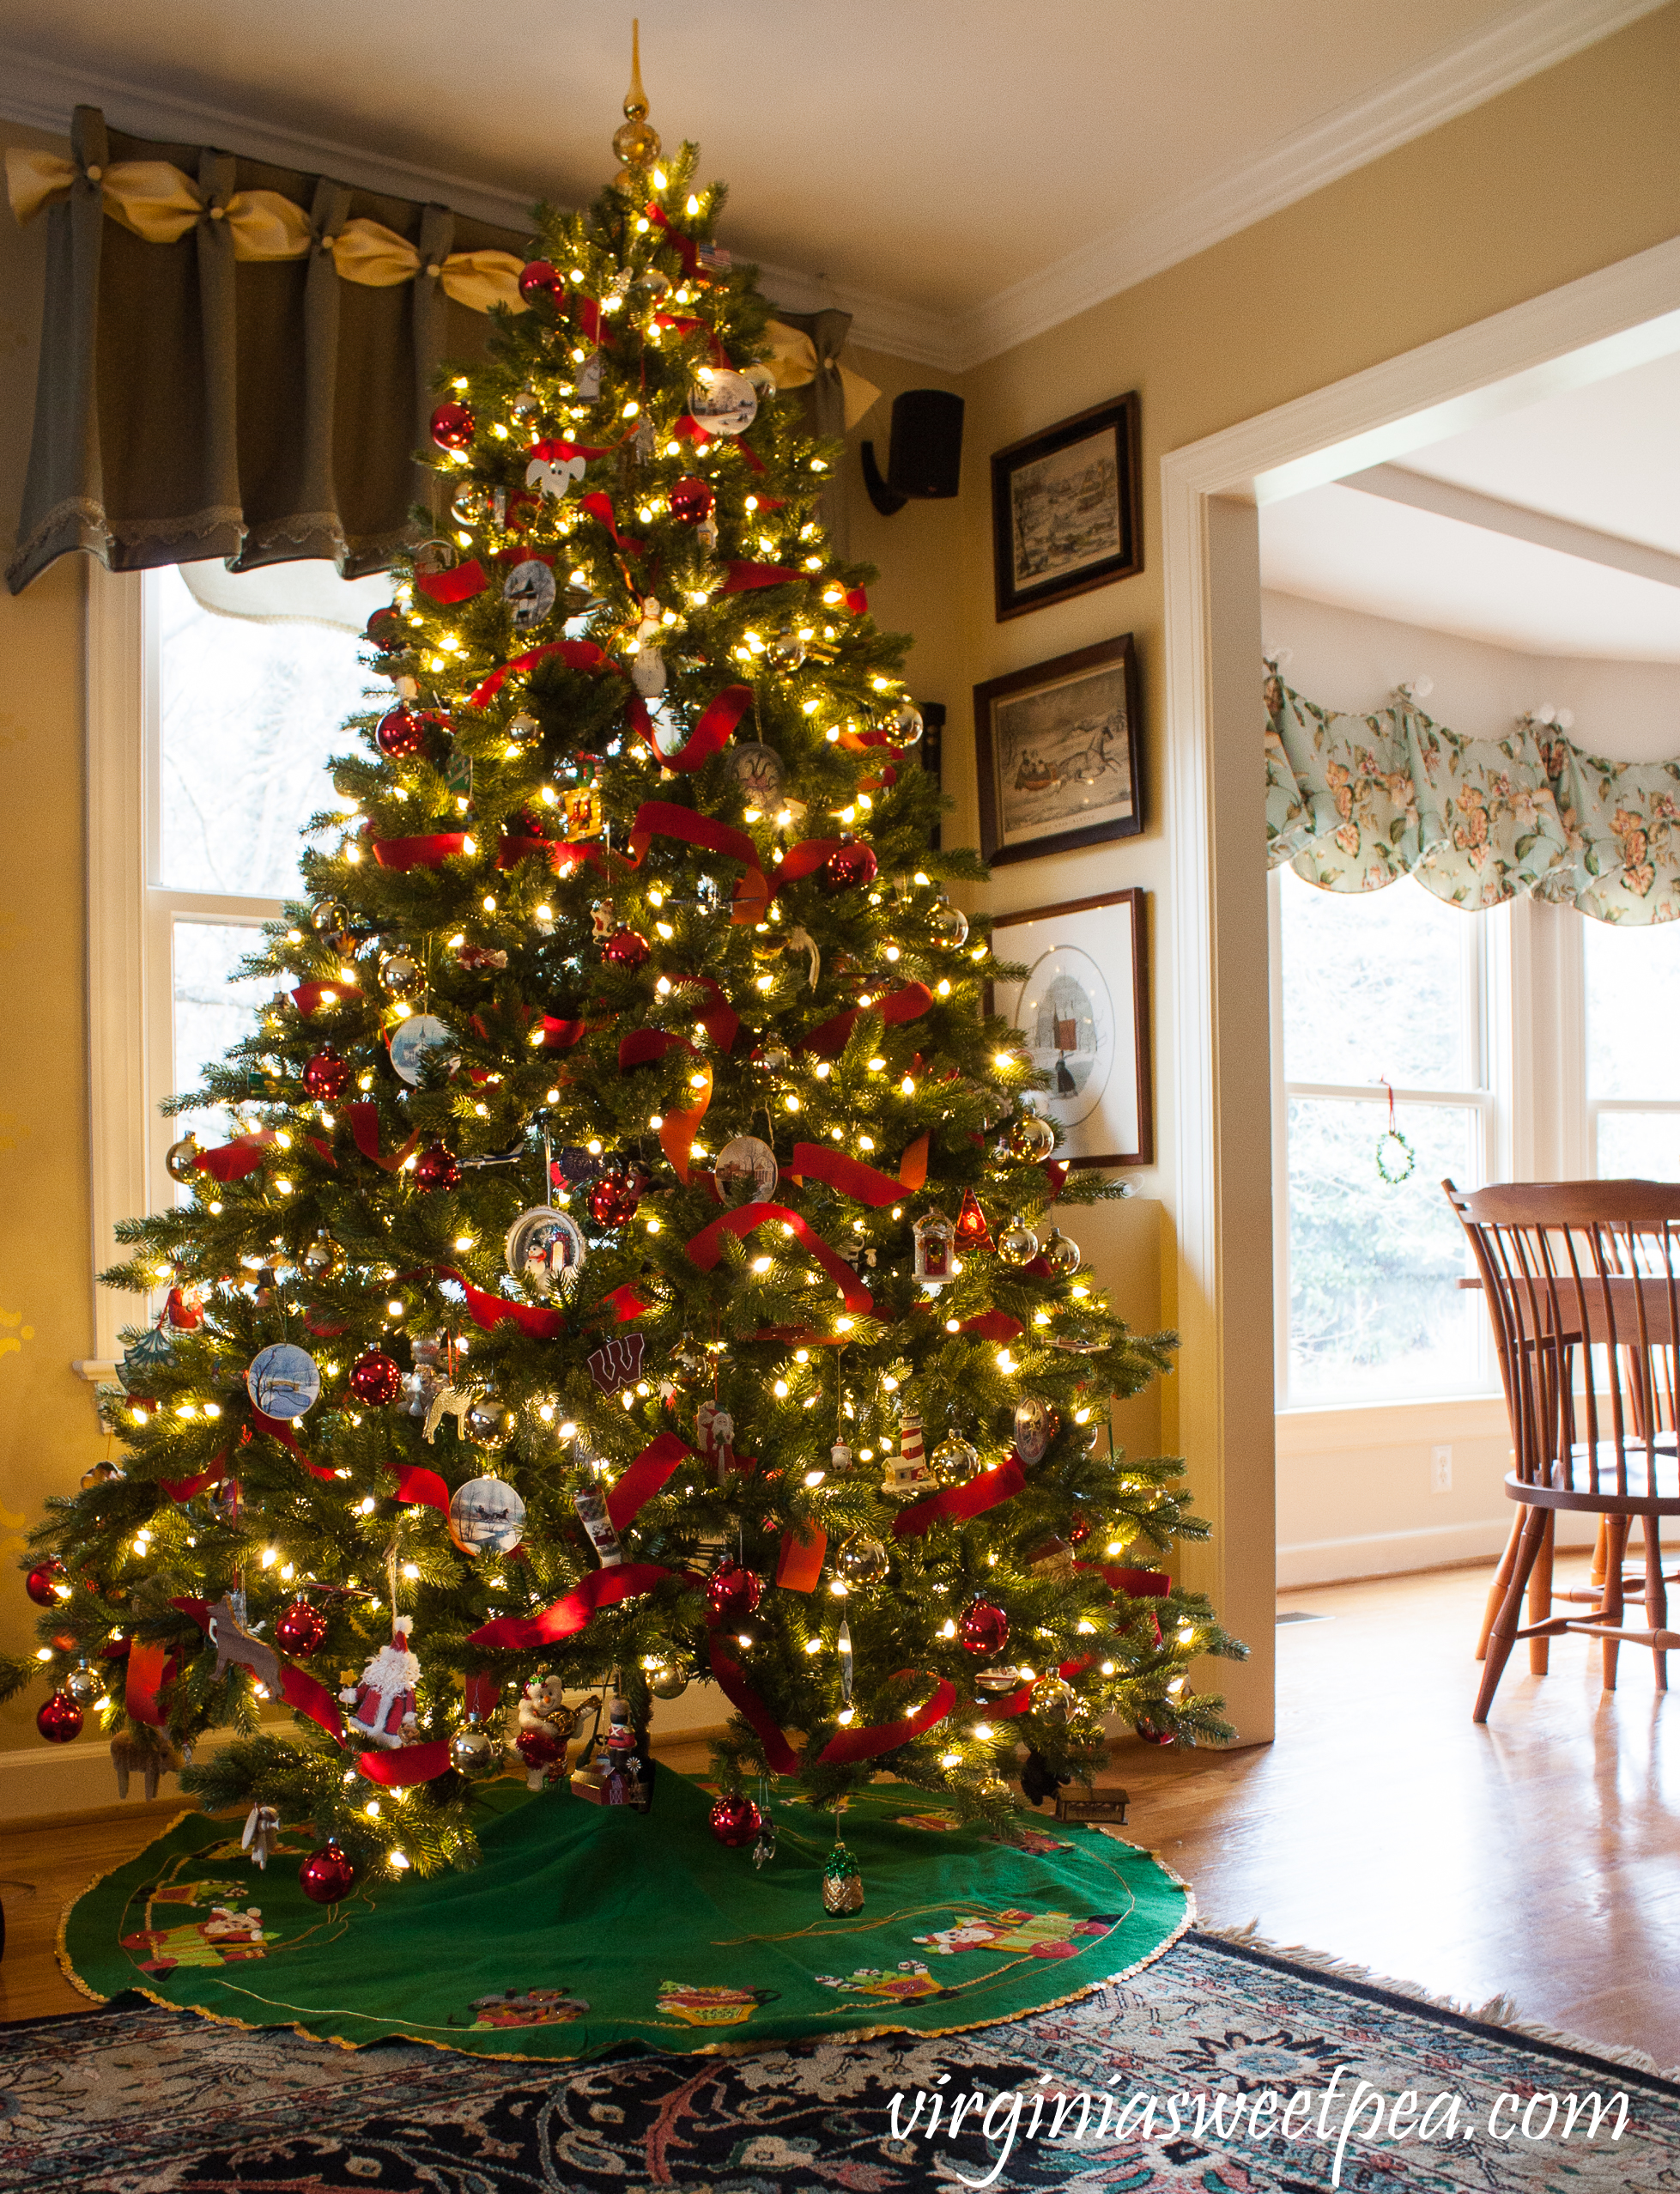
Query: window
pixel 1633 1050
pixel 1383 985
pixel 246 705
pixel 215 700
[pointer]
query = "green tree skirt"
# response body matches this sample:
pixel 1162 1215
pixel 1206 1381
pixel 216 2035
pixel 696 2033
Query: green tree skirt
pixel 586 1927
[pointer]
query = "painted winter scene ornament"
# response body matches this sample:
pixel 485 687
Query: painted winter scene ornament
pixel 746 1171
pixel 284 1379
pixel 724 401
pixel 486 1516
pixel 410 1041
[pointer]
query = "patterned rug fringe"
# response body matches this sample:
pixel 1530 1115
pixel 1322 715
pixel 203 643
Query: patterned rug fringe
pixel 1498 2011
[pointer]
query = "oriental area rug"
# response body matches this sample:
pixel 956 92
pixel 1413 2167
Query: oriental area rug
pixel 1401 2097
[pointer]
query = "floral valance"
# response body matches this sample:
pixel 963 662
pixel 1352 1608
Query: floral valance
pixel 1353 803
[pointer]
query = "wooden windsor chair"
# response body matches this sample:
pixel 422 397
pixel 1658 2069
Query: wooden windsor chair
pixel 1582 1281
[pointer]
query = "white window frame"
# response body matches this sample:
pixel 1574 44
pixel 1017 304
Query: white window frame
pixel 1490 955
pixel 132 921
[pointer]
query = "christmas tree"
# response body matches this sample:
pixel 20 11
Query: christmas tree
pixel 636 1260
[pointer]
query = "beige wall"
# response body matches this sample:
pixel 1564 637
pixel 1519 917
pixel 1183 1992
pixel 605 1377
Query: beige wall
pixel 1569 173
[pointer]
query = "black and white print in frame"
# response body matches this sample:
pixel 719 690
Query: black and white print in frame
pixel 1057 752
pixel 1066 510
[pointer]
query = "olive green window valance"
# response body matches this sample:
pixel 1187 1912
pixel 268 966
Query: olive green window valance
pixel 237 359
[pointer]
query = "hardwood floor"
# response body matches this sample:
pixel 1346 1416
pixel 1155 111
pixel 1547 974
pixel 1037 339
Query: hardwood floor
pixel 1539 1856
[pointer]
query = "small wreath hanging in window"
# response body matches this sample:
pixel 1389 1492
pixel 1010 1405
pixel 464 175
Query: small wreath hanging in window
pixel 1396 1158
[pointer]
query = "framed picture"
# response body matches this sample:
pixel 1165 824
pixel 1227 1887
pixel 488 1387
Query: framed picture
pixel 1057 749
pixel 1083 1011
pixel 1066 510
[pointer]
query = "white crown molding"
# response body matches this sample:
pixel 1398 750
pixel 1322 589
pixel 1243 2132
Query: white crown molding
pixel 1528 40
pixel 1531 39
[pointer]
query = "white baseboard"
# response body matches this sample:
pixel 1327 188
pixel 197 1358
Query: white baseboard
pixel 1391 1554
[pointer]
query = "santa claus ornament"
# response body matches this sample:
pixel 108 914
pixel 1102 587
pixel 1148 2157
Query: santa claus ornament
pixel 382 1705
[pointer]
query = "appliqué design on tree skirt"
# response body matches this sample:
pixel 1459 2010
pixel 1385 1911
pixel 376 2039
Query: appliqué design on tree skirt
pixel 712 2007
pixel 535 2006
pixel 1036 1935
pixel 908 1983
pixel 224 1939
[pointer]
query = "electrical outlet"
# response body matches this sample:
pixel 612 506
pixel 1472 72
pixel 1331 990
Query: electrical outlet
pixel 1440 1470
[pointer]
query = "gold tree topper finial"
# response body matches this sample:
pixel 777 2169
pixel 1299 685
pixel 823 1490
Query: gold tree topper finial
pixel 635 141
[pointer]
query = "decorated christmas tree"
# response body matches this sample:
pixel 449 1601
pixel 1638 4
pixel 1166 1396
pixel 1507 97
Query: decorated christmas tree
pixel 640 1259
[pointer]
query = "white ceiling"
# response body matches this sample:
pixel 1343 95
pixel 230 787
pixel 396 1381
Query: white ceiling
pixel 1605 460
pixel 960 172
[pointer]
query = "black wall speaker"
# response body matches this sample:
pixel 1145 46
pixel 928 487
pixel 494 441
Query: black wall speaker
pixel 924 463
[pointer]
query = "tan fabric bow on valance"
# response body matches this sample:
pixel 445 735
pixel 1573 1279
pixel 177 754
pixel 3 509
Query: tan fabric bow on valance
pixel 237 360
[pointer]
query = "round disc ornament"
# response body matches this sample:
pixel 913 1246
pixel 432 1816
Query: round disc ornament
pixel 1036 1425
pixel 746 1171
pixel 544 1249
pixel 529 591
pixel 284 1379
pixel 415 1035
pixel 486 1516
pixel 758 771
pixel 724 402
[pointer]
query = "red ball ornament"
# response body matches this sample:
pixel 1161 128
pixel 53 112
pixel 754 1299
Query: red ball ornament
pixel 453 426
pixel 59 1719
pixel 300 1628
pixel 1152 1732
pixel 375 1379
pixel 983 1627
pixel 734 1819
pixel 326 1076
pixel 385 630
pixel 732 1592
pixel 437 1167
pixel 538 1747
pixel 613 1198
pixel 692 501
pixel 626 948
pixel 848 869
pixel 326 1876
pixel 1079 1531
pixel 539 279
pixel 39 1583
pixel 399 733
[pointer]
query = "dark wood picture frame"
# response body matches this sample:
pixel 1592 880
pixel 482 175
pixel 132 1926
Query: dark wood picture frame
pixel 1039 507
pixel 1065 916
pixel 1041 759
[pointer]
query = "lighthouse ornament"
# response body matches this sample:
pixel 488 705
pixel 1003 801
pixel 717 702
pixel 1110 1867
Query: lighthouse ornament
pixel 908 1472
pixel 382 1705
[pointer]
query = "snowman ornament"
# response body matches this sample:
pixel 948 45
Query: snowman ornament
pixel 382 1705
pixel 647 664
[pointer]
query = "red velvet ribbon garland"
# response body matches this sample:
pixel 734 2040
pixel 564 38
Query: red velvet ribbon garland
pixel 716 720
pixel 863 1185
pixel 744 578
pixel 233 1161
pixel 847 1746
pixel 307 1693
pixel 568 1616
pixel 720 1020
pixel 663 819
pixel 431 851
pixel 706 1247
pixel 799 1565
pixel 600 505
pixel 309 997
pixel 457 583
pixel 644 1478
pixel 727 1675
pixel 986 1489
pixel 829 1038
pixel 406 1764
pixel 422 1487
pixel 364 1120
pixel 576 654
